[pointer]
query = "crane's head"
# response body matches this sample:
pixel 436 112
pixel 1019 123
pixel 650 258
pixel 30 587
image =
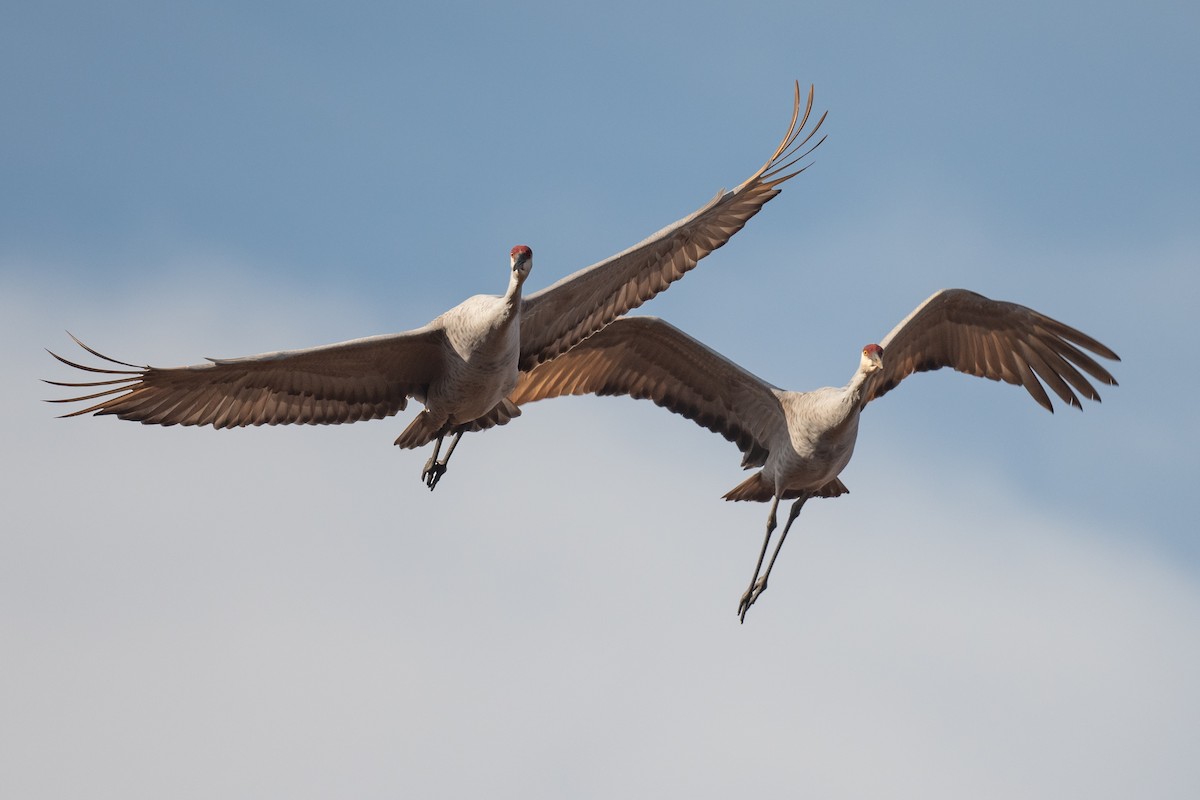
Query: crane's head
pixel 522 261
pixel 872 359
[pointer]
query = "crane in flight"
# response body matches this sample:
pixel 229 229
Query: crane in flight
pixel 803 440
pixel 462 365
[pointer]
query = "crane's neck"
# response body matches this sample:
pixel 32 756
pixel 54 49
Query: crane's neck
pixel 853 391
pixel 512 297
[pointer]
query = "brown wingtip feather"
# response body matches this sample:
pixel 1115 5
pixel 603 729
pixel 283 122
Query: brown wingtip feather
pixel 788 152
pixel 70 363
pixel 122 386
pixel 98 354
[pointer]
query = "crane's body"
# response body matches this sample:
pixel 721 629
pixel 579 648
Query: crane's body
pixel 801 441
pixel 822 427
pixel 479 366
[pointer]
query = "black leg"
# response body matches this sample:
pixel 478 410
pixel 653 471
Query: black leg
pixel 436 469
pixel 760 584
pixel 428 469
pixel 748 597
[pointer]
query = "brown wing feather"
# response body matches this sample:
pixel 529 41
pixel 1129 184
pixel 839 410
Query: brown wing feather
pixel 346 382
pixel 563 314
pixel 645 357
pixel 993 339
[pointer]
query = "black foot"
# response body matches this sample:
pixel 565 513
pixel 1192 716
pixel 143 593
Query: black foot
pixel 750 596
pixel 433 472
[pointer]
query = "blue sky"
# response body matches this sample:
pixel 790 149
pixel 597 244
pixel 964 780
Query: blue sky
pixel 1006 604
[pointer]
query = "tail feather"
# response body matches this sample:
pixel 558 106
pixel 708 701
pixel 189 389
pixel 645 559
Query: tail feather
pixel 753 488
pixel 424 428
pixel 835 488
pixel 756 489
pixel 421 431
pixel 500 415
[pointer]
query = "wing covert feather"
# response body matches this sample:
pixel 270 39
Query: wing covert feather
pixel 360 379
pixel 648 358
pixel 992 339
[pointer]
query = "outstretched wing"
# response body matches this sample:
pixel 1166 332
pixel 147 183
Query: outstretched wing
pixel 992 339
pixel 346 382
pixel 556 318
pixel 645 357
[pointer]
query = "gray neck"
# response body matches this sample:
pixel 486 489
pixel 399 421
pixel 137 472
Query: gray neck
pixel 854 389
pixel 512 297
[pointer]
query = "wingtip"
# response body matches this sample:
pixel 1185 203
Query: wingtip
pixel 100 355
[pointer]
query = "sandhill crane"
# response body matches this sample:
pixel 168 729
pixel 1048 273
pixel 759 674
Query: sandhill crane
pixel 803 440
pixel 461 365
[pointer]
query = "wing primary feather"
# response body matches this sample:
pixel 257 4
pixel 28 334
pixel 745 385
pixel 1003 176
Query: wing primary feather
pixel 129 382
pixel 768 177
pixel 98 354
pixel 1049 377
pixel 70 363
pixel 1070 374
pixel 1078 337
pixel 1086 362
pixel 789 139
pixel 82 398
pixel 98 409
pixel 1031 384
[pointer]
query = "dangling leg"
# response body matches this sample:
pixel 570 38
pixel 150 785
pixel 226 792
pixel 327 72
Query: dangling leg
pixel 427 470
pixel 746 600
pixel 434 469
pixel 760 585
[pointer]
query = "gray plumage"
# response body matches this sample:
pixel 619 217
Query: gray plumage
pixel 803 440
pixel 463 363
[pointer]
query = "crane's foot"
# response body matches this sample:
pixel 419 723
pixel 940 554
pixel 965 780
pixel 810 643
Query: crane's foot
pixel 750 596
pixel 433 472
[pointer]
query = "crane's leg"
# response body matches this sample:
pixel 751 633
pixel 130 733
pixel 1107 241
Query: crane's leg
pixel 434 469
pixel 760 584
pixel 427 470
pixel 432 461
pixel 762 554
